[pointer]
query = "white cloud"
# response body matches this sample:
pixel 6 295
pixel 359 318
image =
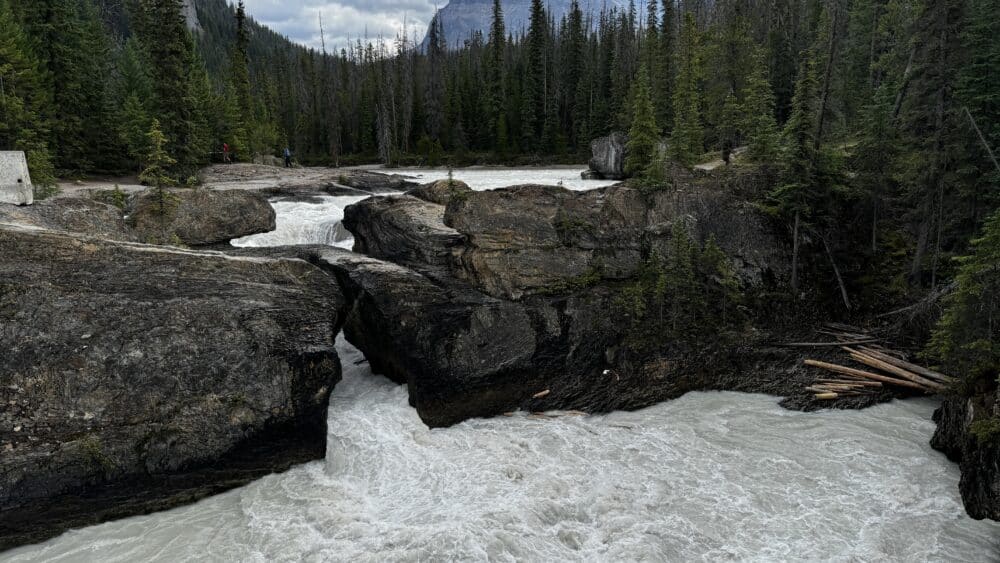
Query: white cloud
pixel 344 20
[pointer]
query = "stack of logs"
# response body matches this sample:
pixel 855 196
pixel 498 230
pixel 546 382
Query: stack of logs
pixel 884 367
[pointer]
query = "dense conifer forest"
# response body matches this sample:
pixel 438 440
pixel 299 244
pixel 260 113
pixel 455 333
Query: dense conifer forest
pixel 878 119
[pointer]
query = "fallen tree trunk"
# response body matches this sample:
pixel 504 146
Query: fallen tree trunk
pixel 887 367
pixel 865 374
pixel 930 374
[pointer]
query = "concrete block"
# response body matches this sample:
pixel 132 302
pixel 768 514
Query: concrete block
pixel 15 182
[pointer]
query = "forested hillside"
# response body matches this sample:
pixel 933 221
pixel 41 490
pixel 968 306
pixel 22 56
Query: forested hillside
pixel 880 113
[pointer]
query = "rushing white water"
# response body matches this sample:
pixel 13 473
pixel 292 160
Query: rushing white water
pixel 492 178
pixel 300 222
pixel 709 476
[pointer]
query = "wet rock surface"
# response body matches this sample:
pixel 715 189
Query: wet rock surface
pixel 134 378
pixel 510 299
pixel 978 456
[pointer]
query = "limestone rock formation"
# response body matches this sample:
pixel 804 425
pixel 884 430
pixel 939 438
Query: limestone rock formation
pixel 608 158
pixel 199 217
pixel 134 378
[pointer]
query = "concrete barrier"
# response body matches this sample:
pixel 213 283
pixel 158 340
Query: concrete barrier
pixel 15 182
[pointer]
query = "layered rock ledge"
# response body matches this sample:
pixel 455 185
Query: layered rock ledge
pixel 489 302
pixel 134 378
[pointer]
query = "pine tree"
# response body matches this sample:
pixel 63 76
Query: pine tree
pixel 533 93
pixel 23 100
pixel 792 198
pixel 967 338
pixel 759 126
pixel 238 95
pixel 642 136
pixel 496 71
pixel 158 169
pixel 664 84
pixel 978 91
pixel 170 45
pixel 686 138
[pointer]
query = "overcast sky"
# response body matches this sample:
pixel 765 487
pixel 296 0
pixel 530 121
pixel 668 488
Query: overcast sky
pixel 343 19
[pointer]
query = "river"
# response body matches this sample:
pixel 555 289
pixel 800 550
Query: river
pixel 707 477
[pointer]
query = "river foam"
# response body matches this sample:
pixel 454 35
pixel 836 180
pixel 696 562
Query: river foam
pixel 707 477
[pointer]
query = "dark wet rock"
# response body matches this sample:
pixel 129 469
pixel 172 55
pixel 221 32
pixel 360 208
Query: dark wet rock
pixel 402 229
pixel 376 182
pixel 69 214
pixel 199 217
pixel 978 456
pixel 441 191
pixel 608 158
pixel 134 378
pixel 510 299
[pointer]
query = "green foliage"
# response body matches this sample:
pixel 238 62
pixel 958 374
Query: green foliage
pixel 642 136
pixel 24 100
pixel 986 430
pixel 759 125
pixel 687 137
pixel 157 171
pixel 682 297
pixel 967 338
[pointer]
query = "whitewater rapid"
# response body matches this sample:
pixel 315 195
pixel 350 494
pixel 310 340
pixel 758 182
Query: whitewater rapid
pixel 707 477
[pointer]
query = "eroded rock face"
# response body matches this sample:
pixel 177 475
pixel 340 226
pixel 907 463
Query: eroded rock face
pixel 441 191
pixel 509 299
pixel 978 459
pixel 134 378
pixel 70 214
pixel 402 229
pixel 200 217
pixel 608 158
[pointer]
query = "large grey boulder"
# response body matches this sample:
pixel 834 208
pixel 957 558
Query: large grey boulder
pixel 608 158
pixel 402 229
pixel 199 217
pixel 134 378
pixel 70 214
pixel 441 191
pixel 15 181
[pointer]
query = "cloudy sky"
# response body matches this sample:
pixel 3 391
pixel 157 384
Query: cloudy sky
pixel 343 19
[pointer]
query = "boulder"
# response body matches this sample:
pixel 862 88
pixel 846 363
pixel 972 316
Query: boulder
pixel 513 299
pixel 402 229
pixel 441 191
pixel 134 378
pixel 978 457
pixel 15 181
pixel 70 214
pixel 608 158
pixel 375 182
pixel 199 217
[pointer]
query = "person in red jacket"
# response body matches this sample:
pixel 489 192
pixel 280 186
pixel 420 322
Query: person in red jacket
pixel 225 153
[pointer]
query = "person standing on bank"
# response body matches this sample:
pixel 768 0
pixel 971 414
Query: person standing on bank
pixel 225 154
pixel 288 158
